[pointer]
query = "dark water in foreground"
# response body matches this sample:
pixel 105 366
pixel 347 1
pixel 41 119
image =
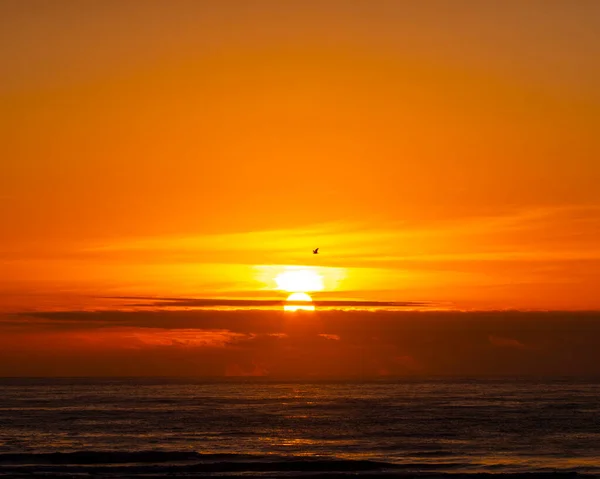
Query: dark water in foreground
pixel 160 427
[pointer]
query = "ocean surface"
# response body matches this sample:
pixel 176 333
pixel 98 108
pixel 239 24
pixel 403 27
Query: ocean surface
pixel 185 427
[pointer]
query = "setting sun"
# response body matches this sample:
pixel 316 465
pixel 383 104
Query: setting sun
pixel 294 298
pixel 299 281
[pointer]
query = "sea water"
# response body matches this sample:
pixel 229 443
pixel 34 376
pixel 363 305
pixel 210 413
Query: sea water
pixel 427 426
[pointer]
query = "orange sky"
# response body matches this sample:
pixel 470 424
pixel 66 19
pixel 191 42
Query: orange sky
pixel 435 151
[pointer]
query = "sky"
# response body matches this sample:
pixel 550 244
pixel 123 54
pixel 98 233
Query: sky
pixel 441 154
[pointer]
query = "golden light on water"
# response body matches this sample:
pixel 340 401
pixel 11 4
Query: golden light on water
pixel 294 297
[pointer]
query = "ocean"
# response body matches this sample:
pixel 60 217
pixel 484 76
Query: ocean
pixel 183 427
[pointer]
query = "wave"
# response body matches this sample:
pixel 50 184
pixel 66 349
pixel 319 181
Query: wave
pixel 190 464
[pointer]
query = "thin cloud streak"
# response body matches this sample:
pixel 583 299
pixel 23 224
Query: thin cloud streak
pixel 261 303
pixel 574 232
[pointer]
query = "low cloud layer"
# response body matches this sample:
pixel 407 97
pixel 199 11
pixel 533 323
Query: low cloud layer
pixel 325 344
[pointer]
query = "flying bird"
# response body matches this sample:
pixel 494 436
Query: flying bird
pixel 316 251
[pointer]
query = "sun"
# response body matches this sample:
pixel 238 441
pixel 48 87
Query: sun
pixel 302 280
pixel 299 297
pixel 299 281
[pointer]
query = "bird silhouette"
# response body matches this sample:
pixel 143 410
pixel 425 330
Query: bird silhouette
pixel 316 251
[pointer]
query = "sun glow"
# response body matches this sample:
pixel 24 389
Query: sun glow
pixel 299 297
pixel 299 281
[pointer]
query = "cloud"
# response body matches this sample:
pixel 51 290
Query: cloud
pixel 196 338
pixel 337 344
pixel 235 370
pixel 333 337
pixel 544 232
pixel 408 362
pixel 506 342
pixel 518 234
pixel 265 303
